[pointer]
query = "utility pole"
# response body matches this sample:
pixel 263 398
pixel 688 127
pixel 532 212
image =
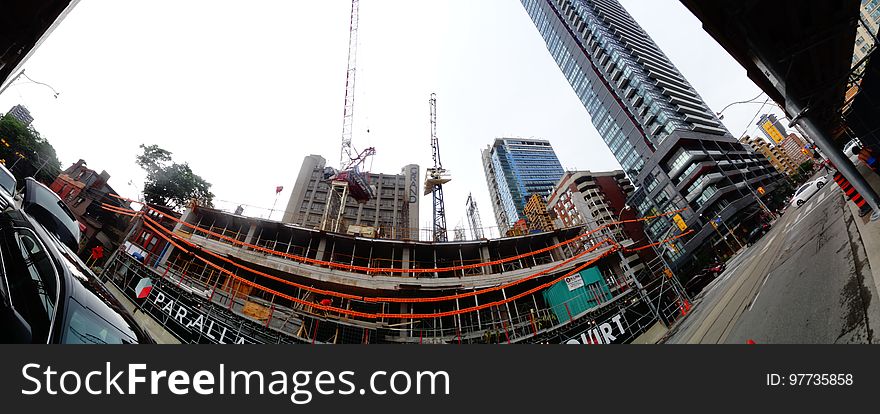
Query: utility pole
pixel 436 177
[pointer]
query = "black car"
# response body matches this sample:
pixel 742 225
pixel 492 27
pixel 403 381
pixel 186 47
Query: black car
pixel 757 233
pixel 702 278
pixel 47 295
pixel 46 207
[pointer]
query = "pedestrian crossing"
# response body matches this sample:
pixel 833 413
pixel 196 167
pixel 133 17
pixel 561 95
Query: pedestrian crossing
pixel 808 209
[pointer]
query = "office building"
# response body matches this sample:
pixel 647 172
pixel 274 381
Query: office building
pixel 22 114
pixel 869 23
pixel 393 212
pixel 793 146
pixel 668 141
pixel 596 199
pixel 517 168
pixel 778 158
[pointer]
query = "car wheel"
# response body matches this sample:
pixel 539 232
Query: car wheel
pixel 800 203
pixel 820 185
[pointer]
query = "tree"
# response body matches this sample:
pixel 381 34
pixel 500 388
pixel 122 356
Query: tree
pixel 171 184
pixel 30 153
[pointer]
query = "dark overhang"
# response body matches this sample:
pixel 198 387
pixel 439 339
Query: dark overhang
pixel 796 51
pixel 23 26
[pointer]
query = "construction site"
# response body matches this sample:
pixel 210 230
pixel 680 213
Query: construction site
pixel 346 264
pixel 218 277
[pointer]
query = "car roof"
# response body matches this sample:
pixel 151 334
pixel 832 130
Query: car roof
pixel 48 209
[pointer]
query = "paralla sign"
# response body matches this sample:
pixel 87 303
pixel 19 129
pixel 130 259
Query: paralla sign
pixel 192 322
pixel 603 333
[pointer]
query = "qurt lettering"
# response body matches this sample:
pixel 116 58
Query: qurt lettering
pixel 602 334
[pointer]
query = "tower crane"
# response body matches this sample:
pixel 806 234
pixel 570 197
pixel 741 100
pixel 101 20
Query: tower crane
pixel 348 180
pixel 436 177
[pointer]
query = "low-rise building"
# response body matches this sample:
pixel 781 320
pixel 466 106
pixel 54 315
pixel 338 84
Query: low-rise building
pixel 83 190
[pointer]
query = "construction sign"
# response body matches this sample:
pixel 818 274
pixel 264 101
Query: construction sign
pixel 679 222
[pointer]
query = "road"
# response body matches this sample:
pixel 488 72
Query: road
pixel 803 282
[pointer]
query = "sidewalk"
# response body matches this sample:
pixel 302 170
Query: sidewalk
pixel 869 230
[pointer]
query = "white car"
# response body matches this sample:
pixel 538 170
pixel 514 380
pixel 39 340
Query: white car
pixel 807 190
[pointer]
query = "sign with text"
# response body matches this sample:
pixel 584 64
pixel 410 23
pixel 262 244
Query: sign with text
pixel 574 282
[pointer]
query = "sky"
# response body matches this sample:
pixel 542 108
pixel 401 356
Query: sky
pixel 244 92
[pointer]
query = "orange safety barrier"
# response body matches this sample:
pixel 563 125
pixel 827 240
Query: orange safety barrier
pixel 364 298
pixel 368 269
pixel 388 315
pixel 394 315
pixel 614 248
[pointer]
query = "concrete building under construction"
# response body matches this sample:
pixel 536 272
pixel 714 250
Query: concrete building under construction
pixel 223 278
pixel 393 213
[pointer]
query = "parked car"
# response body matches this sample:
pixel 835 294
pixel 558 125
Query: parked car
pixel 7 188
pixel 757 233
pixel 48 209
pixel 47 295
pixel 848 150
pixel 705 276
pixel 807 190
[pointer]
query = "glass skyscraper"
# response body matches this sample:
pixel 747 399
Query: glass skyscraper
pixel 515 169
pixel 668 141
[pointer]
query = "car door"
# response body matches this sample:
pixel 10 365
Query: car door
pixel 32 283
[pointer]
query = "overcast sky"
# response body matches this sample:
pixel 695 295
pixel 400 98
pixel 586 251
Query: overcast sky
pixel 243 91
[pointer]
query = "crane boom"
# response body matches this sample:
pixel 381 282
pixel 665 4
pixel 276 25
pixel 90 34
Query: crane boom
pixel 347 154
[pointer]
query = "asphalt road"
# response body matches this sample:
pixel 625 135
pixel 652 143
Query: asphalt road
pixel 803 282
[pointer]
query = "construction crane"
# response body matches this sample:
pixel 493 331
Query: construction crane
pixel 349 180
pixel 473 215
pixel 436 177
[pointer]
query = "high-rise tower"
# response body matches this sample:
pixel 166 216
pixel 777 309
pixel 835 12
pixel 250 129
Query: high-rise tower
pixel 668 141
pixel 515 169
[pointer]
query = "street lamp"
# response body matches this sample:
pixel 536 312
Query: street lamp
pixel 20 74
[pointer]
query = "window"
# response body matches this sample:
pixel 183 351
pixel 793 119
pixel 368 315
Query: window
pixel 87 327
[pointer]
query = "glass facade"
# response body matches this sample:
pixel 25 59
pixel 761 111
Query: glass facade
pixel 671 145
pixel 519 168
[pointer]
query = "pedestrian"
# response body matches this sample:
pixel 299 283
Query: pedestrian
pixel 866 156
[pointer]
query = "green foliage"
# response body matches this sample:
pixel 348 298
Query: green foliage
pixel 169 183
pixel 31 154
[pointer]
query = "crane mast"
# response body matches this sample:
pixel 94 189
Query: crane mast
pixel 436 177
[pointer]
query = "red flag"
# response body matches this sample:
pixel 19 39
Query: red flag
pixel 278 189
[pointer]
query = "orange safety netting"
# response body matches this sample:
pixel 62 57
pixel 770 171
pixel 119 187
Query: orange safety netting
pixel 614 248
pixel 154 226
pixel 368 269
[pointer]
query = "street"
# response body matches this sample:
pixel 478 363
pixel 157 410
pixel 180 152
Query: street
pixel 803 282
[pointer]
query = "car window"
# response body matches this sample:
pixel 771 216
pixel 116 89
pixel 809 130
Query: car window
pixel 52 204
pixel 40 270
pixel 86 327
pixel 801 190
pixel 32 281
pixel 7 181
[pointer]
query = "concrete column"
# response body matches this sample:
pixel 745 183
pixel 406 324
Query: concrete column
pixel 322 245
pixel 249 239
pixel 484 256
pixel 405 260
